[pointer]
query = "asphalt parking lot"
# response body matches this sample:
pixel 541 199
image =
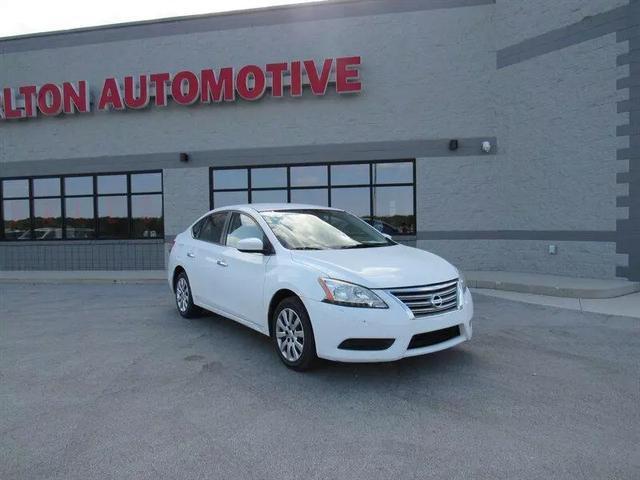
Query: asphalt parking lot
pixel 107 381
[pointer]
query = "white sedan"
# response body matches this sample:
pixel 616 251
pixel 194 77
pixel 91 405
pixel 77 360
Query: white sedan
pixel 320 282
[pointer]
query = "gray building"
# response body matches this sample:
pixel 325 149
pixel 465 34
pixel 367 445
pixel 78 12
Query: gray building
pixel 503 135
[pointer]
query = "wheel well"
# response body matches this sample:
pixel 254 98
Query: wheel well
pixel 275 300
pixel 177 271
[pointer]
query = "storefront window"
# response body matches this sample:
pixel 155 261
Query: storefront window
pixel 268 177
pixel 312 196
pixel 268 196
pixel 123 205
pixel 382 193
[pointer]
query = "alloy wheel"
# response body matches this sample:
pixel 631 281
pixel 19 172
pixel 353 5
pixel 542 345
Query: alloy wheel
pixel 182 294
pixel 290 334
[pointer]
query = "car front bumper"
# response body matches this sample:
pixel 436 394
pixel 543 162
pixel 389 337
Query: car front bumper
pixel 333 324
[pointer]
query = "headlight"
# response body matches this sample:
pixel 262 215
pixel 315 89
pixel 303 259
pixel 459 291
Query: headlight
pixel 349 294
pixel 462 282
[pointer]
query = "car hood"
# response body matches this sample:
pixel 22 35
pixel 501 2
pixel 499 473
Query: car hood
pixel 381 267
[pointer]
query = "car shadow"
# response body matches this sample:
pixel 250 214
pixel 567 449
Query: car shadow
pixel 239 338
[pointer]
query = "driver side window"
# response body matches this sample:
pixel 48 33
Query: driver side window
pixel 242 226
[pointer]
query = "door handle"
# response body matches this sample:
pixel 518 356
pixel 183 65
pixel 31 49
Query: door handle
pixel 191 255
pixel 222 263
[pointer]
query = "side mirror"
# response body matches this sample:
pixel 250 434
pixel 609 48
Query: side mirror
pixel 251 245
pixel 387 236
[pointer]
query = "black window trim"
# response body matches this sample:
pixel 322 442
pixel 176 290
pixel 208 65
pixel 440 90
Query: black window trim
pixel 95 195
pixel 289 188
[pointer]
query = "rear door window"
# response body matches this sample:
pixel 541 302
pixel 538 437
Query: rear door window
pixel 211 229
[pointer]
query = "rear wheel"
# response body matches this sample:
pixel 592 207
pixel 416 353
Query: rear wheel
pixel 184 299
pixel 293 336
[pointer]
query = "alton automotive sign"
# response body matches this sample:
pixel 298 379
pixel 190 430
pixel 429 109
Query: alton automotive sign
pixel 186 87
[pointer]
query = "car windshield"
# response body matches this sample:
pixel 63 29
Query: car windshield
pixel 322 230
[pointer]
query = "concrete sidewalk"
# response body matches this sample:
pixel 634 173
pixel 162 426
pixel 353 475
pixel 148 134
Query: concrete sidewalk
pixel 92 276
pixel 624 306
pixel 551 285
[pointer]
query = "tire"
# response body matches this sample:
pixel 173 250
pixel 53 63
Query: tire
pixel 183 297
pixel 290 328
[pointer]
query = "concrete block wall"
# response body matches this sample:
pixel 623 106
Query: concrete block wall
pixel 553 84
pixel 83 255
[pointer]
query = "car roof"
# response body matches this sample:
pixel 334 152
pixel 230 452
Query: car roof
pixel 266 207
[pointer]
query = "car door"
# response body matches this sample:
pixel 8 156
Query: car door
pixel 204 253
pixel 243 289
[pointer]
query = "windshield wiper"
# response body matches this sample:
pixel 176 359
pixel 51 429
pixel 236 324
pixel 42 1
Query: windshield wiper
pixel 363 245
pixel 307 248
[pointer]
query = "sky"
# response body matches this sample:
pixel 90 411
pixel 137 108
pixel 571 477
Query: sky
pixel 21 17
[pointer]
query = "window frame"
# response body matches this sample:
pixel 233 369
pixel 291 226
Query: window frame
pixel 62 197
pixel 329 187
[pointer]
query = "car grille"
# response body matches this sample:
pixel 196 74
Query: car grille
pixel 429 299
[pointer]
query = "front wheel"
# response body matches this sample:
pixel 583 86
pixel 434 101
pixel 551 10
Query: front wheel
pixel 184 299
pixel 293 336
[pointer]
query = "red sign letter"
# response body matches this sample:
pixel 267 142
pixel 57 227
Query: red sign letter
pixel 216 90
pixel 159 80
pixel 75 100
pixel 276 70
pixel 177 90
pixel 259 82
pixel 29 93
pixel 50 99
pixel 130 98
pixel 320 82
pixel 344 75
pixel 296 79
pixel 10 112
pixel 111 96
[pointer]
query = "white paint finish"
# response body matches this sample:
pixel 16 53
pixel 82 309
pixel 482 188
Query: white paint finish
pixel 242 285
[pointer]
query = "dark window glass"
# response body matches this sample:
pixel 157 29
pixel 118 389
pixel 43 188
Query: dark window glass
pixel 15 188
pixel 268 177
pixel 146 216
pixel 240 227
pixel 78 186
pixel 353 200
pixel 46 187
pixel 397 172
pixel 47 218
pixel 79 217
pixel 268 196
pixel 224 199
pixel 113 218
pixel 112 184
pixel 393 206
pixel 146 182
pixel 195 230
pixel 17 225
pixel 309 176
pixel 355 174
pixel 212 229
pixel 311 196
pixel 232 178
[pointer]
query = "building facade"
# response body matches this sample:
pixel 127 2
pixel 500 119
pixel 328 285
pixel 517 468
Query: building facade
pixel 500 134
